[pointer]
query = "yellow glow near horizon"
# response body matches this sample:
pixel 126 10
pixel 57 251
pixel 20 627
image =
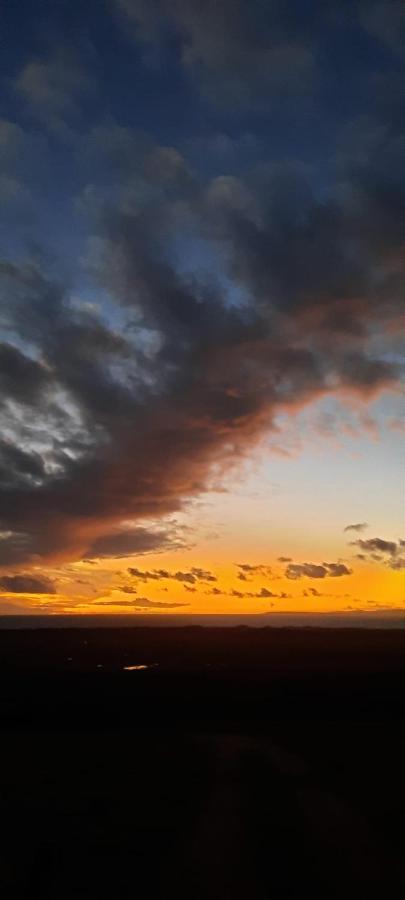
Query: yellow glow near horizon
pixel 270 512
pixel 113 590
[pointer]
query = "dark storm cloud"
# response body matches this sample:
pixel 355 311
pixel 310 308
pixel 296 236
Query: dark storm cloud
pixel 312 570
pixel 21 378
pixel 359 526
pixel 132 428
pixel 219 302
pixel 208 389
pixel 27 584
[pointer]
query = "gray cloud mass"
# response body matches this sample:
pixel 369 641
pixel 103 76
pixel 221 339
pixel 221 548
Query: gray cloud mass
pixel 217 301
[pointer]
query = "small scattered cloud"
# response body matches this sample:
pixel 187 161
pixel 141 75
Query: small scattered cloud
pixel 194 576
pixel 139 603
pixel 376 545
pixel 203 574
pixel 381 550
pixel 262 594
pixel 397 564
pixel 358 526
pixel 248 571
pixel 294 571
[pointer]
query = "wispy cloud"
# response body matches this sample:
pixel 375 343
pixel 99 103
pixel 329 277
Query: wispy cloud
pixel 359 526
pixel 140 603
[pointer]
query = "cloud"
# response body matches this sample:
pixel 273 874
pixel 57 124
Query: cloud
pixel 380 550
pixel 284 559
pixel 184 576
pixel 237 53
pixel 144 603
pixel 264 592
pixel 139 603
pixel 51 88
pixel 397 564
pixel 248 571
pixel 359 526
pixel 194 576
pixel 120 412
pixel 377 544
pixel 249 56
pixel 336 570
pixel 135 542
pixel 27 584
pixel 386 22
pixel 203 574
pixel 295 571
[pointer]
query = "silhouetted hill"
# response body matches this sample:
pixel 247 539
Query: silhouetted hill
pixel 239 763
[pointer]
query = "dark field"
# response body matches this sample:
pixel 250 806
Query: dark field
pixel 252 763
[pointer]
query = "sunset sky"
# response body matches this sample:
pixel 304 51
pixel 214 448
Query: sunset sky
pixel 202 306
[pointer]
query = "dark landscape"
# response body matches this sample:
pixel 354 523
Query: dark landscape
pixel 239 762
pixel 202 430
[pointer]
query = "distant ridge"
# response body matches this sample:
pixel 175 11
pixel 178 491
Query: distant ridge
pixel 374 619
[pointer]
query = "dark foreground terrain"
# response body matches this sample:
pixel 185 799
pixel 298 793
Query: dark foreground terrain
pixel 252 763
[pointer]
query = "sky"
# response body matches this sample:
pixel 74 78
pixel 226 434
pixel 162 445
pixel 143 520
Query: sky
pixel 202 316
